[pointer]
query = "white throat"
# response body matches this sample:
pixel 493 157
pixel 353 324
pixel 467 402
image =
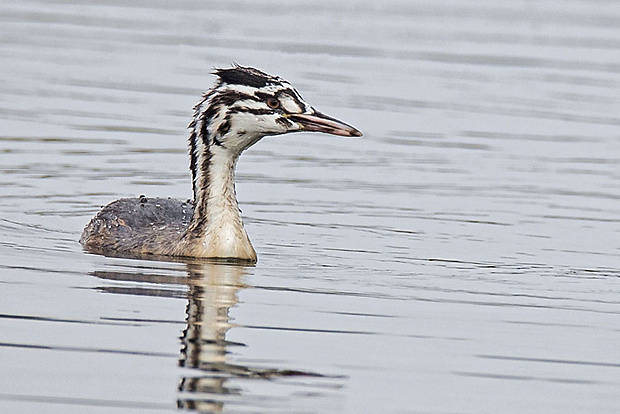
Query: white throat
pixel 223 234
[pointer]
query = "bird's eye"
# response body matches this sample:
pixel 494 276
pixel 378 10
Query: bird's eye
pixel 273 103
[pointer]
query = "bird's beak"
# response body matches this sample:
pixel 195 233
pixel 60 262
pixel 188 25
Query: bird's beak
pixel 319 122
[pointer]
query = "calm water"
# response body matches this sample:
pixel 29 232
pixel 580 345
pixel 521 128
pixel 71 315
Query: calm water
pixel 462 257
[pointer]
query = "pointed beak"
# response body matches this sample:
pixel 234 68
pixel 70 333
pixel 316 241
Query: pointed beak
pixel 319 122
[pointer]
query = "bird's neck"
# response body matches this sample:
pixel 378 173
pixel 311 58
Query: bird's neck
pixel 216 227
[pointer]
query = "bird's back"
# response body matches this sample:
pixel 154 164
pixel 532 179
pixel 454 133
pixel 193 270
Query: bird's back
pixel 137 227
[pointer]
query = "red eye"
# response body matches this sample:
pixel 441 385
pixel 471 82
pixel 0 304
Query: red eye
pixel 273 103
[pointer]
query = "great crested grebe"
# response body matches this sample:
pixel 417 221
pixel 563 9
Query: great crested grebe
pixel 243 106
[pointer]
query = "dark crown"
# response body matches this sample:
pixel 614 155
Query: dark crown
pixel 239 75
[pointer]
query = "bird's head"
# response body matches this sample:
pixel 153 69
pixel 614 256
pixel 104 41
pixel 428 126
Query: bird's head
pixel 246 104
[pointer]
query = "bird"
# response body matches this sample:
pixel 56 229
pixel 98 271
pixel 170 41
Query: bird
pixel 243 106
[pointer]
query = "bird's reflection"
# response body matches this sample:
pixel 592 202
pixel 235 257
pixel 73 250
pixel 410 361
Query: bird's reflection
pixel 212 293
pixel 213 289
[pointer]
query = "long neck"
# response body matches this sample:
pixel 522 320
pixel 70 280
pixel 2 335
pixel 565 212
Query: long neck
pixel 216 229
pixel 215 196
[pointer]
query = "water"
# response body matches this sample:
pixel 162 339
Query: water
pixel 462 257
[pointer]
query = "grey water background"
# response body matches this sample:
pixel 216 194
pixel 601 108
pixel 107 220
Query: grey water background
pixel 462 257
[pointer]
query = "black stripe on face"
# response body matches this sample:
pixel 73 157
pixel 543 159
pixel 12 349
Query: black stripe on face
pixel 228 98
pixel 263 96
pixel 291 93
pixel 254 111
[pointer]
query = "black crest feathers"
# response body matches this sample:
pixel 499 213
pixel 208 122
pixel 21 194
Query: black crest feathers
pixel 240 75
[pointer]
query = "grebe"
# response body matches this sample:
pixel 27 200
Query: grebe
pixel 242 107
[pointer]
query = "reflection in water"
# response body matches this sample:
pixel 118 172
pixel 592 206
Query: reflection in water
pixel 213 291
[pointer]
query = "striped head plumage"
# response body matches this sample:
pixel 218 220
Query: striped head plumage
pixel 246 104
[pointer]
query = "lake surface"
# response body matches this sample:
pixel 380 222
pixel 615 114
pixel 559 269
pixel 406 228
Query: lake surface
pixel 462 257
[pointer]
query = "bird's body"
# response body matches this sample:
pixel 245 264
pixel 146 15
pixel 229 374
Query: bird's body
pixel 243 106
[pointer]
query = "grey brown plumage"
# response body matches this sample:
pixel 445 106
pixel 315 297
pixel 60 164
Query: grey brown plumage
pixel 139 226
